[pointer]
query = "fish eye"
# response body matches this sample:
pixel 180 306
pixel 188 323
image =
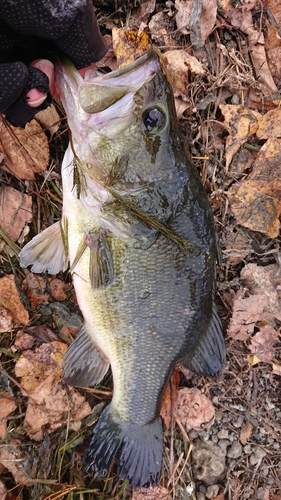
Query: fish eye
pixel 154 119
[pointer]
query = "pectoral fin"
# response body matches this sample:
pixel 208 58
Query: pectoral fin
pixel 209 354
pixel 101 264
pixel 46 251
pixel 84 365
pixel 101 270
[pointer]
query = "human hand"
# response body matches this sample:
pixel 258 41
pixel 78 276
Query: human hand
pixel 26 34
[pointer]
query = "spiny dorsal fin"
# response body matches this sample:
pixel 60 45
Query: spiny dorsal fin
pixel 45 252
pixel 84 365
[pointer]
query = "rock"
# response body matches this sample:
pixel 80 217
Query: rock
pixel 212 491
pixel 235 450
pixel 208 462
pixel 223 444
pixel 223 434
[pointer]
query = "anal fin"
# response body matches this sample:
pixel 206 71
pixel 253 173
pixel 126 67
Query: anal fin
pixel 209 353
pixel 84 365
pixel 46 251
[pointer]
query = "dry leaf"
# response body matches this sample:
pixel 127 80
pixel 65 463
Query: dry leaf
pixel 255 202
pixel 200 24
pixel 261 305
pixel 3 491
pixel 245 314
pixel 49 119
pixel 157 493
pixel 34 366
pixel 263 342
pixel 50 401
pixel 161 27
pixel 273 52
pixel 253 360
pixel 15 461
pixel 193 408
pixel 241 123
pixel 10 300
pixel 236 245
pixel 7 406
pixel 246 432
pixel 169 401
pixel 276 368
pixel 275 7
pixel 264 281
pixel 182 68
pixel 26 151
pixel 128 45
pixel 34 287
pixel 254 207
pixel 15 211
pixel 50 405
pixel 269 125
pixel 241 18
pixel 109 60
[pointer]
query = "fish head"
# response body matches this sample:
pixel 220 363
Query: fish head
pixel 125 131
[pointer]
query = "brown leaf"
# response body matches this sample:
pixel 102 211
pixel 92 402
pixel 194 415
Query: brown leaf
pixel 182 68
pixel 276 368
pixel 170 400
pixel 254 207
pixel 270 126
pixel 275 7
pixel 264 281
pixel 34 287
pixel 59 289
pixel 273 52
pixel 50 405
pixel 241 123
pixel 157 493
pixel 7 406
pixel 49 119
pixel 160 27
pixel 263 342
pixel 245 314
pixel 14 460
pixel 255 202
pixel 34 366
pixel 15 211
pixel 128 45
pixel 26 151
pixel 193 408
pixel 241 18
pixel 109 60
pixel 10 300
pixel 245 432
pixel 3 491
pixel 200 23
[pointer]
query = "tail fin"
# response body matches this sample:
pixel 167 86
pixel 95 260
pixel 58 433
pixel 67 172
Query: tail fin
pixel 141 453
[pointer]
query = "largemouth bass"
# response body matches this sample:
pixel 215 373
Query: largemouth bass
pixel 138 232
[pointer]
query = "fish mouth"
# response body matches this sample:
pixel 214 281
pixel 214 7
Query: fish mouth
pixel 102 91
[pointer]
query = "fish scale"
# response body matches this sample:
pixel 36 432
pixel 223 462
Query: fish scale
pixel 142 252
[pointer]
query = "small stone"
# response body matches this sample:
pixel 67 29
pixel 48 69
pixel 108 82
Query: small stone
pixel 276 445
pixel 236 100
pixel 208 462
pixel 201 496
pixel 169 4
pixel 239 422
pixel 264 471
pixel 223 444
pixel 214 438
pixel 235 450
pixel 223 434
pixel 248 449
pixel 212 491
